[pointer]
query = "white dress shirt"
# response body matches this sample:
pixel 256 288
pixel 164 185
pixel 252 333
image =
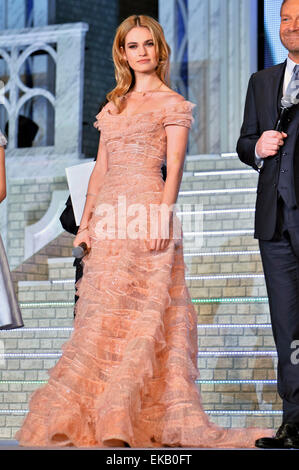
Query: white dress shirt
pixel 287 78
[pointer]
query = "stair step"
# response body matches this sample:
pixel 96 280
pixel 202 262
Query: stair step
pixel 61 267
pixel 213 162
pixel 218 285
pixel 221 310
pixel 190 257
pixel 68 284
pixel 218 180
pixel 215 395
pixel 229 365
pixel 217 338
pixel 223 198
pixel 210 241
pixel 13 419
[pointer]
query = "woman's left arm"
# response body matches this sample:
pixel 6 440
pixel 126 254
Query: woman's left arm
pixel 177 139
pixel 2 175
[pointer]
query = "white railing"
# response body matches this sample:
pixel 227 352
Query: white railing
pixel 47 228
pixel 65 45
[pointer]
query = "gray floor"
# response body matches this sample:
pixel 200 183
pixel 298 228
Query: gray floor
pixel 13 445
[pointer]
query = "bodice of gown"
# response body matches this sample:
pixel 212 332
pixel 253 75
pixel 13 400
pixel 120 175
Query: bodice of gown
pixel 138 143
pixel 136 149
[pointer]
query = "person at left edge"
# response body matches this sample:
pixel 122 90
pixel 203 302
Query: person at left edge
pixel 68 222
pixel 10 314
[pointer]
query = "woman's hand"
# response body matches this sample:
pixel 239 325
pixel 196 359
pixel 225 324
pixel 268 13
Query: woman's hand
pixel 162 240
pixel 158 244
pixel 82 237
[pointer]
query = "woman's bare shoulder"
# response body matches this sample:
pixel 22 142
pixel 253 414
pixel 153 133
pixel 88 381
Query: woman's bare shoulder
pixel 171 96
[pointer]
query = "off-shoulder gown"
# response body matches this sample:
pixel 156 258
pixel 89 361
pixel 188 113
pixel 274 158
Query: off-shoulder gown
pixel 10 313
pixel 128 370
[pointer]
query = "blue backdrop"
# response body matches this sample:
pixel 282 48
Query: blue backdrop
pixel 274 51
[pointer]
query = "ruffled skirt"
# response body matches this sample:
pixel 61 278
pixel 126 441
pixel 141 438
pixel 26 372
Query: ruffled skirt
pixel 127 373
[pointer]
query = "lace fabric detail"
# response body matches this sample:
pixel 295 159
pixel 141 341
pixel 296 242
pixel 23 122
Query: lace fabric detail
pixel 179 113
pixel 128 370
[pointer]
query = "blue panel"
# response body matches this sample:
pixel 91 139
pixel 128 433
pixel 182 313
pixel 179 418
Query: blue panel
pixel 181 34
pixel 28 63
pixel 273 49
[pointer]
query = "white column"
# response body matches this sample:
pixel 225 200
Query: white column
pixel 44 75
pixel 69 92
pixel 222 49
pixel 15 14
pixel 43 12
pixel 167 20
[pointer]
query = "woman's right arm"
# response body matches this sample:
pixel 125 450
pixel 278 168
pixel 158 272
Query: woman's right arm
pixel 2 175
pixel 94 185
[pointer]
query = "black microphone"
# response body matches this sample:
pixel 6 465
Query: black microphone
pixel 286 104
pixel 80 251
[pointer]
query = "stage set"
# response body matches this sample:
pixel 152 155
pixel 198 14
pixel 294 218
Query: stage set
pixel 56 68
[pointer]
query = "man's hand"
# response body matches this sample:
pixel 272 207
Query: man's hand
pixel 269 143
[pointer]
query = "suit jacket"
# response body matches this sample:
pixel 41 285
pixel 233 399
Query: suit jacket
pixel 261 112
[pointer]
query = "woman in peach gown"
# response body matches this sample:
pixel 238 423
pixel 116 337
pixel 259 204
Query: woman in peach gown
pixel 127 374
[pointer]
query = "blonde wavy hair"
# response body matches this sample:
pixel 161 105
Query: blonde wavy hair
pixel 124 75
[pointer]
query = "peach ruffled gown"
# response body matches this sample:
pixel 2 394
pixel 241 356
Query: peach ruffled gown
pixel 128 370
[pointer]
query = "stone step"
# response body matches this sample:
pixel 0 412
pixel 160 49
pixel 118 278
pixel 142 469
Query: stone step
pixel 222 179
pixel 47 314
pixel 226 310
pixel 54 290
pixel 235 337
pixel 217 198
pixel 213 162
pixel 221 173
pixel 11 420
pixel 213 310
pixel 214 215
pixel 218 241
pixel 211 338
pixel 226 285
pixel 195 267
pixel 215 396
pixel 212 365
pixel 199 285
pixel 195 263
pixel 61 268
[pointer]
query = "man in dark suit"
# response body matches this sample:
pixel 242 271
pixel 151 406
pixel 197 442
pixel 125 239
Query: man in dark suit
pixel 276 156
pixel 67 220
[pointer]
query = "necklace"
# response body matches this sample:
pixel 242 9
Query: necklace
pixel 147 91
pixel 145 95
